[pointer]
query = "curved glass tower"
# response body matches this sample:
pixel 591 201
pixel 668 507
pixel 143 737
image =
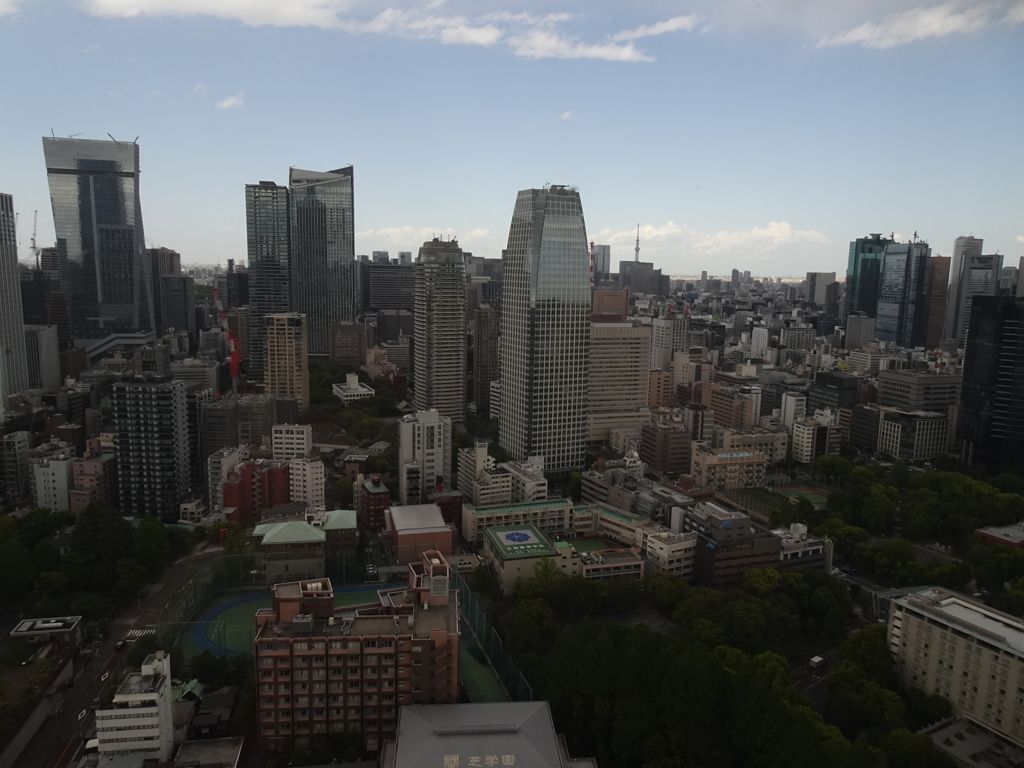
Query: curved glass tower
pixel 545 329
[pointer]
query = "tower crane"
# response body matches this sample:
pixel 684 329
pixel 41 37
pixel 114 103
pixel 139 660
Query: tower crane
pixel 36 250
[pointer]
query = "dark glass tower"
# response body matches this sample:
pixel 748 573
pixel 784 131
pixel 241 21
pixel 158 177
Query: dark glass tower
pixel 323 268
pixel 268 232
pixel 863 271
pixel 13 361
pixel 902 297
pixel 991 405
pixel 545 329
pixel 97 215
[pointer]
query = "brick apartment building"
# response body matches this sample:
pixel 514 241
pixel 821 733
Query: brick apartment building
pixel 323 670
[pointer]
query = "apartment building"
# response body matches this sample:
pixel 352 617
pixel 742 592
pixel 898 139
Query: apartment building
pixel 289 441
pixel 528 481
pixel 735 407
pixel 950 645
pixel 773 443
pixel 323 670
pixel 724 470
pixel 139 721
pixel 482 483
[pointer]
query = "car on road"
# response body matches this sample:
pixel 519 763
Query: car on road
pixel 95 703
pixel 119 644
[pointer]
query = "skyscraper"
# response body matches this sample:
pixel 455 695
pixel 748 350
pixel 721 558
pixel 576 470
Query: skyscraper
pixel 268 232
pixel 323 250
pixel 97 216
pixel 992 410
pixel 902 298
pixel 13 361
pixel 979 276
pixel 817 286
pixel 152 445
pixel 545 329
pixel 863 271
pixel 938 287
pixel 439 335
pixel 485 356
pixel 963 248
pixel 287 364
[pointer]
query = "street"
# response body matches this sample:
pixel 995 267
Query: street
pixel 57 739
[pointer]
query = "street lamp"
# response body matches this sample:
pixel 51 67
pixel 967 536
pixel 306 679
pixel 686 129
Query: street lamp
pixel 139 598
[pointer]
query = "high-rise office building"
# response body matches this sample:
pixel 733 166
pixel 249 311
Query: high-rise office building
pixel 287 363
pixel 991 408
pixel 863 274
pixel 817 286
pixel 963 249
pixel 439 337
pixel 620 364
pixel 902 299
pixel 13 360
pixel 938 287
pixel 387 286
pixel 424 455
pixel 545 329
pixel 161 261
pixel 152 445
pixel 323 269
pixel 268 234
pixel 485 356
pixel 602 262
pixel 979 276
pixel 97 216
pixel 178 304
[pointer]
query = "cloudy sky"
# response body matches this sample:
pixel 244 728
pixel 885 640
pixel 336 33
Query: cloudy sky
pixel 737 133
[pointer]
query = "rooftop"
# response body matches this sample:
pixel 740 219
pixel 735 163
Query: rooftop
pixel 45 626
pixel 339 519
pixel 513 508
pixel 417 518
pixel 291 532
pixel 958 610
pixel 515 542
pixel 210 753
pixel 1012 534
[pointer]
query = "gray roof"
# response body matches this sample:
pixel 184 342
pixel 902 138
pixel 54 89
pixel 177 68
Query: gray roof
pixel 520 734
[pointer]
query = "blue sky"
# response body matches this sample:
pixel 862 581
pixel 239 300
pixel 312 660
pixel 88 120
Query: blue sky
pixel 756 135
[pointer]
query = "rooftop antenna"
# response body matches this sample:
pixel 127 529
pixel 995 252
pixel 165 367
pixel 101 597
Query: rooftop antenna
pixel 136 140
pixel 637 249
pixel 54 135
pixel 72 135
pixel 111 137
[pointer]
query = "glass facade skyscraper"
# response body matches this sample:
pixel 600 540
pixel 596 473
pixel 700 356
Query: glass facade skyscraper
pixel 324 285
pixel 545 329
pixel 863 271
pixel 268 235
pixel 97 215
pixel 903 291
pixel 13 361
pixel 964 248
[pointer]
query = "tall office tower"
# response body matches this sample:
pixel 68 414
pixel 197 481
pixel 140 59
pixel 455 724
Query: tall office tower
pixel 424 455
pixel 979 276
pixel 287 365
pixel 963 249
pixel 1020 279
pixel 323 252
pixel 668 336
pixel 178 304
pixel 602 262
pixel 13 360
pixel 545 329
pixel 161 261
pixel 439 337
pixel 387 286
pixel 97 215
pixel 991 408
pixel 863 274
pixel 620 364
pixel 902 299
pixel 938 287
pixel 237 282
pixel 817 286
pixel 485 356
pixel 152 445
pixel 268 234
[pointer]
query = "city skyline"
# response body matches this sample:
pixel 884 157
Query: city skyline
pixel 730 133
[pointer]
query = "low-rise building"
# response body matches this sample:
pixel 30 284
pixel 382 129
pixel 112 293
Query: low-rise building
pixel 913 435
pixel 140 719
pixel 409 531
pixel 725 470
pixel 773 443
pixel 555 517
pixel 322 670
pixel 482 483
pixel 1010 535
pixel 352 389
pixel 288 550
pixel 64 631
pixel 729 545
pixel 528 481
pixel 666 447
pixel 371 498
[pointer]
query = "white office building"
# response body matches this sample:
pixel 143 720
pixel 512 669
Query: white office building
pixel 290 441
pixel 140 719
pixel 424 454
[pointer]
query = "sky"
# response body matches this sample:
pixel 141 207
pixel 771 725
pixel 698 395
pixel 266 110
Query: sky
pixel 757 135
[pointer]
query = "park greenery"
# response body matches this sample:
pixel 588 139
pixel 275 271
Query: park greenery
pixel 109 560
pixel 715 689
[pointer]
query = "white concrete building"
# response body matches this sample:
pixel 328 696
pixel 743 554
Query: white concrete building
pixel 290 441
pixel 140 721
pixel 482 483
pixel 218 466
pixel 352 389
pixel 528 481
pixel 794 408
pixel 306 479
pixel 54 478
pixel 424 440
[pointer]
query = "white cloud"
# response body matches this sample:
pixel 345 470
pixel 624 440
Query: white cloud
pixel 915 25
pixel 1020 238
pixel 675 24
pixel 282 13
pixel 567 115
pixel 546 44
pixel 200 88
pixel 91 48
pixel 231 101
pixel 678 248
pixel 8 6
pixel 1015 14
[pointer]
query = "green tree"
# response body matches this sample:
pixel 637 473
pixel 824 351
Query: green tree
pixel 132 577
pixel 16 572
pixel 152 544
pixel 45 557
pixel 532 626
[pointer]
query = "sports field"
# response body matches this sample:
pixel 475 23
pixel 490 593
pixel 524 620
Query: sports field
pixel 818 498
pixel 593 545
pixel 227 625
pixel 479 679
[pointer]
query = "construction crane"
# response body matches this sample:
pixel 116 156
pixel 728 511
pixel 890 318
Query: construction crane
pixel 36 250
pixel 234 352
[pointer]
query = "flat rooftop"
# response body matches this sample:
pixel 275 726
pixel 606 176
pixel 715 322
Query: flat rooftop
pixel 210 752
pixel 971 745
pixel 960 611
pixel 514 508
pixel 418 518
pixel 45 626
pixel 1011 534
pixel 517 542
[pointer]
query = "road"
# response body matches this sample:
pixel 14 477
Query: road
pixel 57 740
pixel 811 682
